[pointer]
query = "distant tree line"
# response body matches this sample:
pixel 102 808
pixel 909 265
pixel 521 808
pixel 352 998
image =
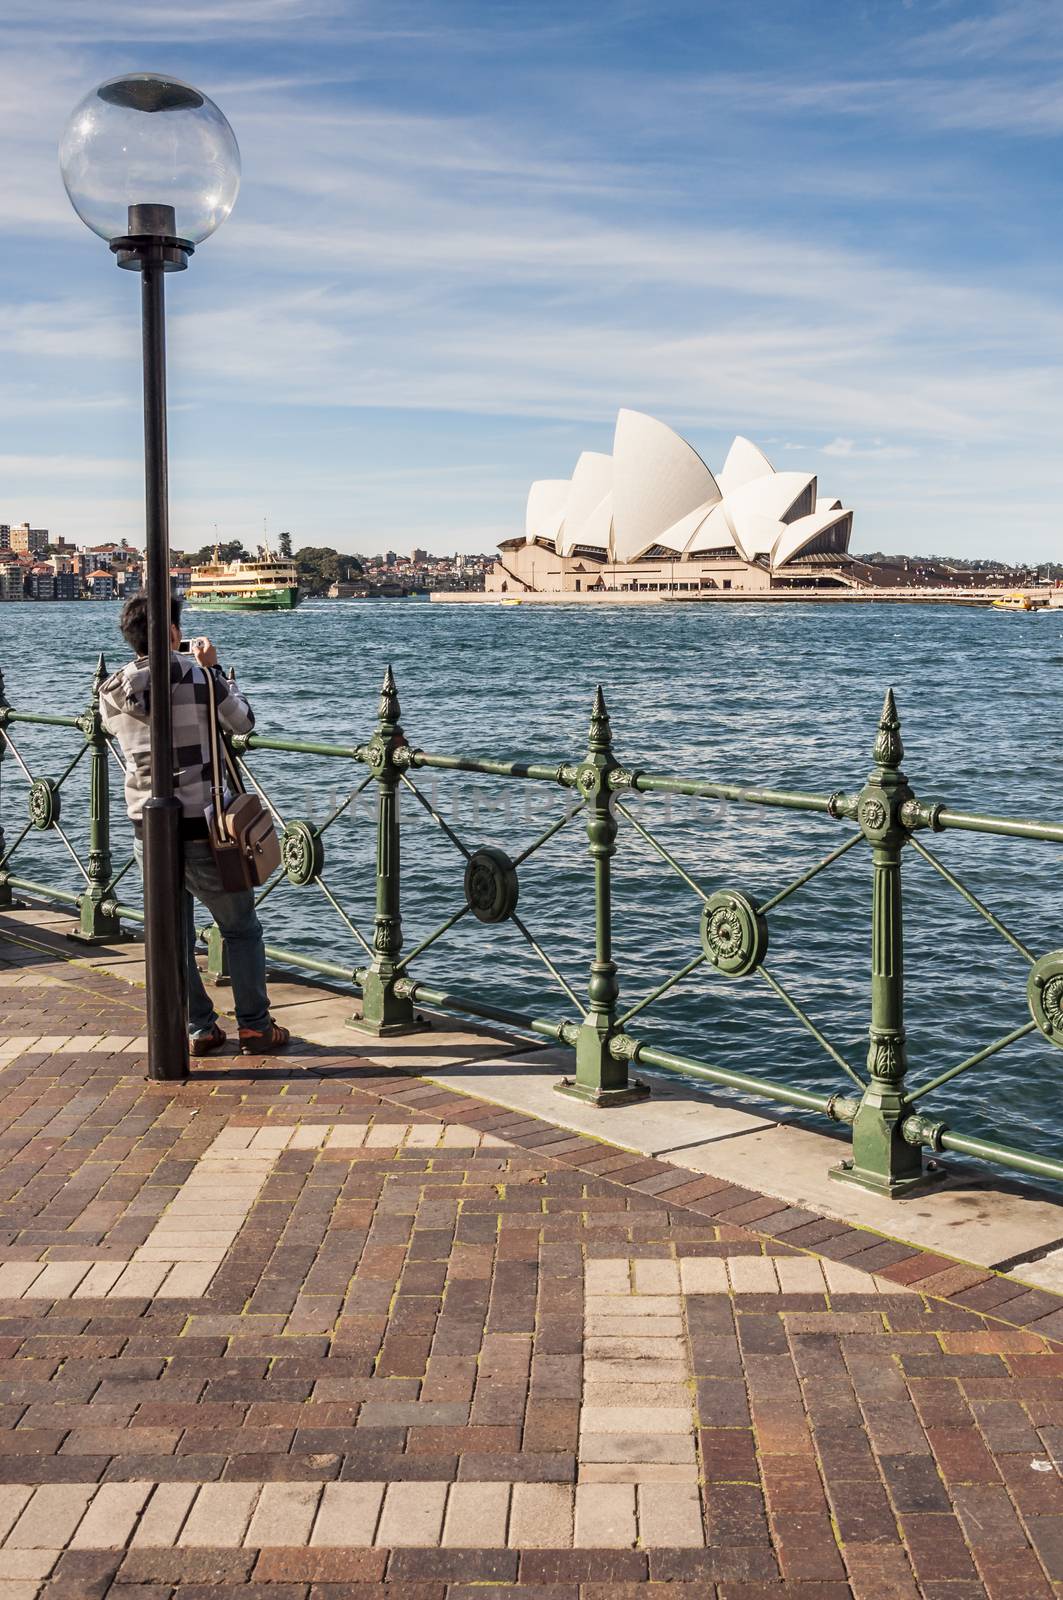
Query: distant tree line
pixel 1043 569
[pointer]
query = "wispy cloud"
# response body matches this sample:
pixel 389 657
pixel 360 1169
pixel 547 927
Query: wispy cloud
pixel 874 451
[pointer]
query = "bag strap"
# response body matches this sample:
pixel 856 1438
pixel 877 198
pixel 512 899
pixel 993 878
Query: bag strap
pixel 217 786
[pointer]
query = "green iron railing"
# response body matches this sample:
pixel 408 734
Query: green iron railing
pixel 889 1131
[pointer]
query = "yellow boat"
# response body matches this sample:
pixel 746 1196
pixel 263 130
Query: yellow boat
pixel 512 601
pixel 1016 602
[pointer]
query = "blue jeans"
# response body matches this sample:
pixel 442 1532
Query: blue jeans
pixel 237 921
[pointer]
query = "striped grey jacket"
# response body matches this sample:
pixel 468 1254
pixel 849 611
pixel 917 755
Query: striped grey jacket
pixel 125 703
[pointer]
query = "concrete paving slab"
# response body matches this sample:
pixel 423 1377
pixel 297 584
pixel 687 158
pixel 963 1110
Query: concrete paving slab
pixel 34 917
pixel 436 1048
pixel 966 1218
pixel 672 1120
pixel 1044 1274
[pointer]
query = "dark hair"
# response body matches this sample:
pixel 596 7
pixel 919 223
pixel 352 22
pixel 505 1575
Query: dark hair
pixel 134 622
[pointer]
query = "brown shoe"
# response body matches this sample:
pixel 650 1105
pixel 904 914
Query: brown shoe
pixel 205 1044
pixel 267 1043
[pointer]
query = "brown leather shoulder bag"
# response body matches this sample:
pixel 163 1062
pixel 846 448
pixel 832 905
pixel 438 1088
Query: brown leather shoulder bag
pixel 242 837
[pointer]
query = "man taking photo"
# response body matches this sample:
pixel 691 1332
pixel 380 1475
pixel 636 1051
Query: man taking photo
pixel 125 701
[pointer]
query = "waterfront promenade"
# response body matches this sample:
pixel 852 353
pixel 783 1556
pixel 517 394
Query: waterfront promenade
pixel 906 595
pixel 318 1327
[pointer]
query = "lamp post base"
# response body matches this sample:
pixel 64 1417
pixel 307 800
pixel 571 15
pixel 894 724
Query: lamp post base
pixel 164 953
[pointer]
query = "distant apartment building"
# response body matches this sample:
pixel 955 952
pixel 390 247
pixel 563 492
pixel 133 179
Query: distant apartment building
pixel 26 540
pixel 12 580
pixel 5 536
pixel 419 557
pixel 40 584
pixel 100 584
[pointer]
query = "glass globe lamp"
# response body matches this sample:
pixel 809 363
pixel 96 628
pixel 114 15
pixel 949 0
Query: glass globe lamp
pixel 146 154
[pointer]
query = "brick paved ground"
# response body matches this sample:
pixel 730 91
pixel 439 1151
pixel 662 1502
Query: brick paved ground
pixel 305 1330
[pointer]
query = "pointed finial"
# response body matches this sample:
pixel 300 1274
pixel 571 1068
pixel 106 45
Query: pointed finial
pixel 888 751
pixel 390 709
pixel 232 674
pixel 99 675
pixel 3 691
pixel 601 736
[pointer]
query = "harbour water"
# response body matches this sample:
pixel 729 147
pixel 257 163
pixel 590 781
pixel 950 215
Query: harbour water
pixel 785 696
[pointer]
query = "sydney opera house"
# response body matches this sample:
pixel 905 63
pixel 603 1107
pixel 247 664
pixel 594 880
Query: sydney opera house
pixel 651 516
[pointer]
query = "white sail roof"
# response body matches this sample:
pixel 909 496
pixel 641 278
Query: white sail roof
pixel 680 534
pixel 591 482
pixel 546 507
pixel 596 532
pixel 744 463
pixel 794 536
pixel 758 507
pixel 715 533
pixel 657 479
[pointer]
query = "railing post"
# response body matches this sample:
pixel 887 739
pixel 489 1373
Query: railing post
pixel 600 1077
pixel 6 898
pixel 881 1159
pixel 384 1011
pixel 99 923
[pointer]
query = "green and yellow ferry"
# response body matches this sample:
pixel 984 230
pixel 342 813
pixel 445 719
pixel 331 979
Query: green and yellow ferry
pixel 269 583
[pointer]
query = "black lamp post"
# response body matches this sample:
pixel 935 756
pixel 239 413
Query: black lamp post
pixel 152 166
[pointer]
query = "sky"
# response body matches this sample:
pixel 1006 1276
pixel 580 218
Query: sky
pixel 469 231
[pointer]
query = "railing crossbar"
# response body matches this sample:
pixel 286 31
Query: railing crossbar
pixel 971 1061
pixel 662 988
pixel 119 875
pixel 68 769
pixel 791 799
pixel 436 818
pixel 298 747
pixel 806 1022
pixel 437 933
pixel 1003 827
pixel 664 854
pixel 543 837
pixel 13 747
pixel 275 882
pixel 546 961
pixel 43 719
pixel 449 1000
pixel 344 918
pixel 73 853
pixel 116 756
pixel 806 877
pixel 763 1088
pixel 6 857
pixel 972 900
pixel 535 771
pixel 341 808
